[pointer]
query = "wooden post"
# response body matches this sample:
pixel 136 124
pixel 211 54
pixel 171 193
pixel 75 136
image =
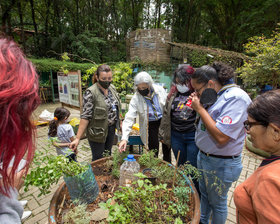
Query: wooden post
pixel 176 165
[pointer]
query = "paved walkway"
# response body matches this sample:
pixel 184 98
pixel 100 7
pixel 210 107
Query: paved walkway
pixel 39 205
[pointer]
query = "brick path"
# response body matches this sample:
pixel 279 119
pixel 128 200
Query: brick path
pixel 39 205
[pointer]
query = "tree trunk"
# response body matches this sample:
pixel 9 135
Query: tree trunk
pixel 47 23
pixel 6 15
pixel 36 40
pixel 22 38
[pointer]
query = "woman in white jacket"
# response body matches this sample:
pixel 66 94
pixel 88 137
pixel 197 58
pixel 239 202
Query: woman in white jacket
pixel 147 102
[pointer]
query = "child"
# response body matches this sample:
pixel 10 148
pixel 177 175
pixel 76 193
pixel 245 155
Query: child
pixel 59 128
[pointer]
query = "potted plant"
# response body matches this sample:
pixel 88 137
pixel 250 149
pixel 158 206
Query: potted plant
pixel 165 202
pixel 48 169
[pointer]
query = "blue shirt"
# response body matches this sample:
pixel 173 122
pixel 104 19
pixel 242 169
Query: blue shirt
pixel 64 133
pixel 229 112
pixel 156 114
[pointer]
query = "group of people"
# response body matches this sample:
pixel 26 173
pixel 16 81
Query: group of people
pixel 211 138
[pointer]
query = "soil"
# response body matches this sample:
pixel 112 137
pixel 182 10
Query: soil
pixel 107 185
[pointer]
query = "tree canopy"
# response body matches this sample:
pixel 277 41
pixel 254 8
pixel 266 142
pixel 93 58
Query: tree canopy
pixel 97 29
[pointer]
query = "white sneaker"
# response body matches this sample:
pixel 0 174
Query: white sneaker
pixel 25 215
pixel 23 203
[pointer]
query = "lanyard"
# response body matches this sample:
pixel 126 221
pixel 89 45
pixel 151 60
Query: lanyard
pixel 224 88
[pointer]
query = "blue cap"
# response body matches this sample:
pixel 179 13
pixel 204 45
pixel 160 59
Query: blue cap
pixel 130 158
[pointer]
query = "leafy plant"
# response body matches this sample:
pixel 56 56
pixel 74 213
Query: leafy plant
pixel 117 160
pixel 122 76
pixel 49 169
pixel 143 203
pixel 187 170
pixel 263 67
pixel 164 173
pixel 64 59
pixel 149 160
pixel 44 84
pixel 77 215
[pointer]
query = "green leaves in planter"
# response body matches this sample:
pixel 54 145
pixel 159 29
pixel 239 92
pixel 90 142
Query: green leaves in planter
pixel 49 169
pixel 148 160
pixel 145 203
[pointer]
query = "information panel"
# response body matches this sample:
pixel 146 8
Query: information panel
pixel 69 88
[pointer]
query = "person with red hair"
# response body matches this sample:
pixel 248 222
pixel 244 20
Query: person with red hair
pixel 18 99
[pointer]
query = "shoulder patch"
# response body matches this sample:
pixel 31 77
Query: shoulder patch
pixel 226 120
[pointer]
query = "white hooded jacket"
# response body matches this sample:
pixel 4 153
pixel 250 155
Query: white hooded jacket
pixel 139 106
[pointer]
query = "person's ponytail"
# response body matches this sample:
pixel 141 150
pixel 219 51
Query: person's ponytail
pixel 53 128
pixel 224 72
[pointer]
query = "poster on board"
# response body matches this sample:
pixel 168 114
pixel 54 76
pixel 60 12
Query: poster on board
pixel 74 90
pixel 69 88
pixel 63 88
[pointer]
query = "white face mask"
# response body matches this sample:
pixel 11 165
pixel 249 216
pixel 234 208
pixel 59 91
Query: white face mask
pixel 182 88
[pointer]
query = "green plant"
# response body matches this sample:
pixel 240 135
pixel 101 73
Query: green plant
pixel 122 76
pixel 164 173
pixel 64 59
pixel 44 84
pixel 77 215
pixel 144 203
pixel 187 170
pixel 117 160
pixel 149 160
pixel 263 67
pixel 47 169
pixel 182 193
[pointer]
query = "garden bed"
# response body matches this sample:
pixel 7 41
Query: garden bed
pixel 107 186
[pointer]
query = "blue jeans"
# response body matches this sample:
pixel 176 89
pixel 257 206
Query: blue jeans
pixel 184 141
pixel 228 171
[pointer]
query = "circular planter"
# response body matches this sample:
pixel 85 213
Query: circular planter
pixel 58 197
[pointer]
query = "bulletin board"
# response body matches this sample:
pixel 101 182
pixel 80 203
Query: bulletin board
pixel 70 89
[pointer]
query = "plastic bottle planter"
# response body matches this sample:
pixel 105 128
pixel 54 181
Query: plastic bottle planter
pixel 82 187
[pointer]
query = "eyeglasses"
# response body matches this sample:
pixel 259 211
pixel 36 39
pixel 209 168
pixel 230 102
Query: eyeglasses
pixel 198 90
pixel 248 124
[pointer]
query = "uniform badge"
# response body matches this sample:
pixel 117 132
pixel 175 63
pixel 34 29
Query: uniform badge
pixel 226 120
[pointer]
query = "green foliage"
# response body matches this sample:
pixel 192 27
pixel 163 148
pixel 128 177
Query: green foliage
pixel 88 46
pixel 64 66
pixel 47 169
pixel 122 76
pixel 77 215
pixel 45 84
pixel 117 160
pixel 47 64
pixel 263 67
pixel 198 56
pixel 182 193
pixel 149 160
pixel 144 203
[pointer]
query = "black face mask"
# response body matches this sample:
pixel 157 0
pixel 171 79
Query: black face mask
pixel 208 97
pixel 144 92
pixel 104 84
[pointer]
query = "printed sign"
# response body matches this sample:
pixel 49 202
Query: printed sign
pixel 69 88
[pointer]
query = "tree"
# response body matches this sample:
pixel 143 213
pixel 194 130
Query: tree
pixel 263 67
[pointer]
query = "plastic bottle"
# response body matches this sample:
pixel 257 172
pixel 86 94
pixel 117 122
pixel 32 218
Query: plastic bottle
pixel 127 171
pixel 187 110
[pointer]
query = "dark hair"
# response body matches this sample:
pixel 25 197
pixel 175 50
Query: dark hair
pixel 218 71
pixel 103 68
pixel 265 108
pixel 60 114
pixel 183 74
